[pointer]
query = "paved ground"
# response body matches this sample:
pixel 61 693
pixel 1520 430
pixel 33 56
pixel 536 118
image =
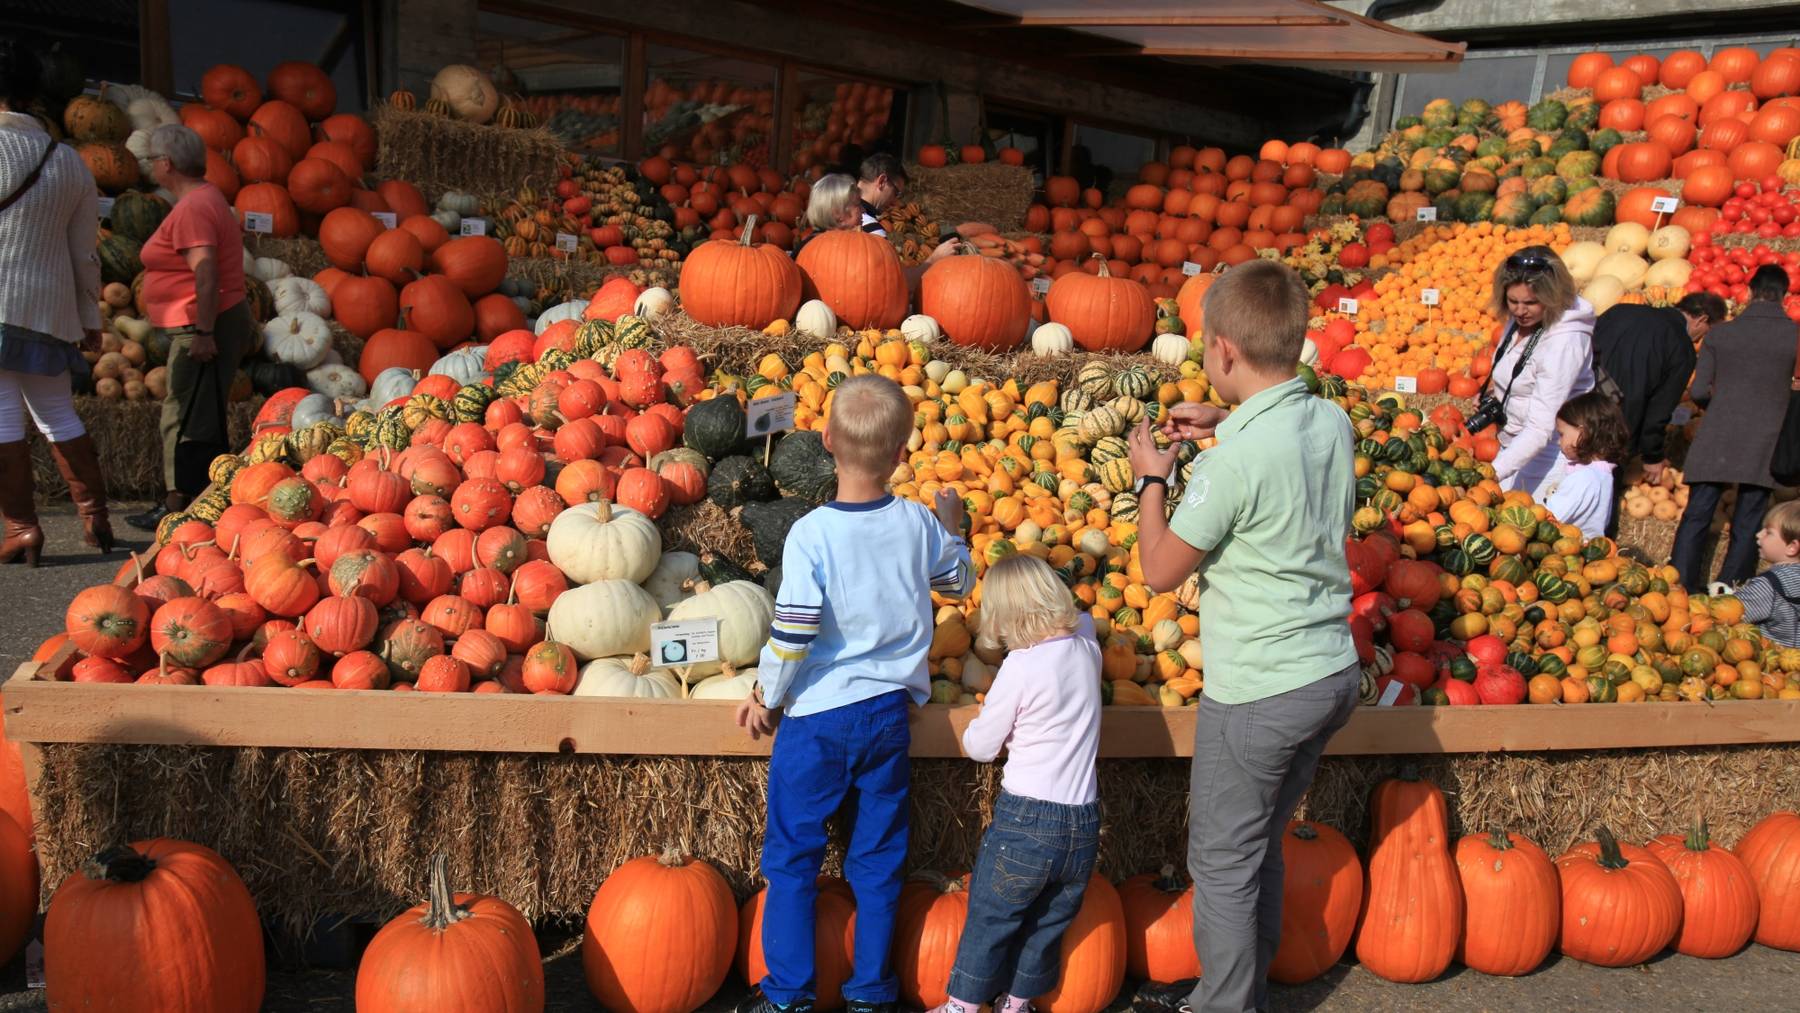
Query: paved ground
pixel 31 608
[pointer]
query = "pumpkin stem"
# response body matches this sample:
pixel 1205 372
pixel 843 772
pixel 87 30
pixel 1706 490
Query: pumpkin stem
pixel 1699 838
pixel 1498 839
pixel 120 863
pixel 602 511
pixel 672 857
pixel 640 663
pixel 441 912
pixel 1104 273
pixel 939 882
pixel 1408 772
pixel 236 540
pixel 1166 880
pixel 749 230
pixel 1305 831
pixel 137 561
pixel 1610 855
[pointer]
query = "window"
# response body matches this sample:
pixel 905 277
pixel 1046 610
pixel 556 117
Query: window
pixel 837 120
pixel 330 33
pixel 706 108
pixel 1108 159
pixel 1035 134
pixel 101 36
pixel 1479 77
pixel 572 78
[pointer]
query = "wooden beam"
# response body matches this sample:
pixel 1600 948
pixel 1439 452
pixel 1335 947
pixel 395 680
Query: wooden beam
pixel 1261 54
pixel 156 59
pixel 1177 21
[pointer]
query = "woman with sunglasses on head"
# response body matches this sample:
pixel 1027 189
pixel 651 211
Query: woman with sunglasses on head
pixel 1544 359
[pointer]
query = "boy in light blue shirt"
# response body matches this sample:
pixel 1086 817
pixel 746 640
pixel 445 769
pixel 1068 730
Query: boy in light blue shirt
pixel 846 656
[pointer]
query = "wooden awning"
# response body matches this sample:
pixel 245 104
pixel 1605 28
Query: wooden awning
pixel 1295 33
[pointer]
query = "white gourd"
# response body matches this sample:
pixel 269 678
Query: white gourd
pixel 571 310
pixel 920 327
pixel 815 319
pixel 313 409
pixel 604 619
pixel 1672 273
pixel 268 269
pixel 1582 259
pixel 1627 237
pixel 1170 349
pixel 1309 353
pixel 1670 242
pixel 151 111
pixel 1629 268
pixel 299 339
pixel 730 684
pixel 465 365
pixel 653 302
pixel 601 541
pixel 300 295
pixel 744 610
pixel 461 203
pixel 1052 339
pixel 1166 635
pixel 632 678
pixel 668 583
pixel 450 220
pixel 1604 292
pixel 336 380
pixel 138 143
pixel 393 382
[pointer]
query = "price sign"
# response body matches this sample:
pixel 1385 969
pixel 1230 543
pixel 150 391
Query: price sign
pixel 1427 214
pixel 1347 305
pixel 1391 694
pixel 565 242
pixel 1190 268
pixel 386 218
pixel 106 206
pixel 766 416
pixel 688 642
pixel 1665 205
pixel 1428 296
pixel 472 227
pixel 1040 286
pixel 1406 384
pixel 257 221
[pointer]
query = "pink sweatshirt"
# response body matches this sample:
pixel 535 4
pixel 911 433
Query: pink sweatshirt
pixel 1044 708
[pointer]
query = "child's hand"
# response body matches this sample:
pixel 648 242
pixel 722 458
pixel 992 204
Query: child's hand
pixel 1145 458
pixel 753 717
pixel 1190 421
pixel 949 509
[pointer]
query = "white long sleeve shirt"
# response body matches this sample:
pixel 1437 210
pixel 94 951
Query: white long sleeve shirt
pixel 49 275
pixel 1583 496
pixel 1044 708
pixel 1561 367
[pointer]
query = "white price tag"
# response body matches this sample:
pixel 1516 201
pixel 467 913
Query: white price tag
pixel 1347 305
pixel 1425 214
pixel 566 242
pixel 1190 268
pixel 1391 694
pixel 1428 296
pixel 688 642
pixel 387 219
pixel 1665 205
pixel 257 221
pixel 1406 384
pixel 767 415
pixel 1040 286
pixel 472 227
pixel 106 206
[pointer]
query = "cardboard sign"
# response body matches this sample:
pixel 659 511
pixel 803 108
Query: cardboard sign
pixel 1665 205
pixel 387 219
pixel 106 206
pixel 1406 384
pixel 1428 296
pixel 684 643
pixel 1427 214
pixel 257 221
pixel 1190 268
pixel 1347 305
pixel 472 227
pixel 566 242
pixel 1040 286
pixel 768 415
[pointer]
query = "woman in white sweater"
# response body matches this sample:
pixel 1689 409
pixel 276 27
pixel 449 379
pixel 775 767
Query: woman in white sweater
pixel 49 311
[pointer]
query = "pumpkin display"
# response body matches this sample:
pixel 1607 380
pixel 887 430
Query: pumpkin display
pixel 1620 904
pixel 1719 905
pixel 1412 911
pixel 1159 927
pixel 834 944
pixel 1771 853
pixel 597 542
pixel 660 935
pixel 1512 904
pixel 928 925
pixel 1102 313
pixel 1093 954
pixel 737 283
pixel 858 275
pixel 1321 894
pixel 744 610
pixel 980 302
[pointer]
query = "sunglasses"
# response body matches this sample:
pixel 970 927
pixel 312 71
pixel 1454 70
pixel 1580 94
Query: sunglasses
pixel 1529 263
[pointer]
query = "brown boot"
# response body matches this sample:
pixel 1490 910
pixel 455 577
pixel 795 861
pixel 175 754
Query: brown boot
pixel 24 539
pixel 80 467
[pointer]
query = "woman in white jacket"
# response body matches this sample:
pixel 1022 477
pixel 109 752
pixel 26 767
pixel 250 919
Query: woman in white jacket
pixel 49 310
pixel 1545 357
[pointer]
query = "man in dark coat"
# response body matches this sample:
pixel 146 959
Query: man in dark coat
pixel 1744 375
pixel 1649 352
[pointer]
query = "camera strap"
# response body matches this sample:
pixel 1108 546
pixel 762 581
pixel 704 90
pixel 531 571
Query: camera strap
pixel 1524 357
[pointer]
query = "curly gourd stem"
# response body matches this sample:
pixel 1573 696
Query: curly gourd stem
pixel 441 911
pixel 120 863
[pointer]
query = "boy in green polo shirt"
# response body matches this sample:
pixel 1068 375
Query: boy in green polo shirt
pixel 1264 517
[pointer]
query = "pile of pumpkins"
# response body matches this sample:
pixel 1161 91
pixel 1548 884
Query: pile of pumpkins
pixel 1663 500
pixel 1631 259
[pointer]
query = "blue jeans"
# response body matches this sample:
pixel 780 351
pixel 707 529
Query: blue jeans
pixel 857 752
pixel 1034 866
pixel 1739 564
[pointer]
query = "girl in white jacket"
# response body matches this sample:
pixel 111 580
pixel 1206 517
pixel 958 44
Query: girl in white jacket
pixel 1591 435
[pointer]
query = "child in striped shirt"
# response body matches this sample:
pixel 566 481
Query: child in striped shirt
pixel 845 659
pixel 1772 599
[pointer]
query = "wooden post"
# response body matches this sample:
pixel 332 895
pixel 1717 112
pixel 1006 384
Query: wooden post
pixel 633 78
pixel 156 63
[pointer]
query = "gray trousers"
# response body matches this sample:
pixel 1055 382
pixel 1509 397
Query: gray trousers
pixel 1252 763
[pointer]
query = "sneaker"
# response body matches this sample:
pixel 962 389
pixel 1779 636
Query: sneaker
pixel 756 1002
pixel 1155 997
pixel 1718 588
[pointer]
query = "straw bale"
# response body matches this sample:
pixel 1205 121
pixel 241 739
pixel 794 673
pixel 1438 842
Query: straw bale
pixel 303 255
pixel 128 439
pixel 577 279
pixel 995 194
pixel 706 527
pixel 439 154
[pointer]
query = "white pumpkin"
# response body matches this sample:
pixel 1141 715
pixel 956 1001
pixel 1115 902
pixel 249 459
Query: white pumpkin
pixel 1627 237
pixel 1309 353
pixel 1052 339
pixel 920 327
pixel 571 310
pixel 393 382
pixel 299 339
pixel 336 381
pixel 1582 258
pixel 465 365
pixel 653 302
pixel 600 541
pixel 1671 273
pixel 744 610
pixel 138 143
pixel 604 619
pixel 815 319
pixel 461 203
pixel 1170 349
pixel 730 684
pixel 1604 292
pixel 268 269
pixel 1671 242
pixel 668 583
pixel 470 92
pixel 150 112
pixel 313 409
pixel 300 295
pixel 249 263
pixel 632 678
pixel 977 675
pixel 450 220
pixel 1629 268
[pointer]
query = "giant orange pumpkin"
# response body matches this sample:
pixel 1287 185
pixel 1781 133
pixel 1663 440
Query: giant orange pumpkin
pixel 1620 904
pixel 1412 910
pixel 318 185
pixel 1103 313
pixel 1771 851
pixel 1679 67
pixel 979 302
pixel 1642 161
pixel 1776 123
pixel 353 131
pixel 476 264
pixel 1755 159
pixel 365 304
pixel 1719 907
pixel 1672 132
pixel 1093 954
pixel 345 235
pixel 1190 302
pixel 284 124
pixel 1512 903
pixel 216 127
pixel 834 942
pixel 395 255
pixel 734 282
pixel 261 160
pixel 659 936
pixel 1322 888
pixel 1159 927
pixel 858 275
pixel 927 929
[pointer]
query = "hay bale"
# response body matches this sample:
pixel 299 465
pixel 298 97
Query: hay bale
pixel 998 195
pixel 439 154
pixel 305 256
pixel 128 438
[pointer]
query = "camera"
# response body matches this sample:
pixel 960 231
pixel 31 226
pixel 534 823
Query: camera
pixel 1489 411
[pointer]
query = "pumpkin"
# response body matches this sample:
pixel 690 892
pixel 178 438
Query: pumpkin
pixel 1322 888
pixel 301 340
pixel 727 283
pixel 231 88
pixel 630 678
pixel 270 199
pixel 353 132
pixel 1620 904
pixel 834 932
pixel 366 306
pixel 481 503
pixel 461 953
pixel 1093 954
pixel 107 621
pixel 669 580
pixel 1719 904
pixel 660 935
pixel 341 625
pixel 318 185
pixel 1771 853
pixel 604 542
pixel 744 610
pixel 469 92
pixel 107 931
pixel 284 124
pixel 435 307
pixel 714 427
pixel 928 926
pixel 1412 911
pixel 475 264
pixel 605 619
pixel 1512 904
pixel 642 490
pixel 280 585
pixel 395 355
pixel 858 275
pixel 979 302
pixel 345 235
pixel 815 319
pixel 729 684
pixel 1052 339
pixel 18 884
pixel 290 658
pixel 1102 313
pixel 190 632
pixel 1159 927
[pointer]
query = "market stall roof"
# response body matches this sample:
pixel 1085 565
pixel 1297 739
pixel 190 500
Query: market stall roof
pixel 1297 33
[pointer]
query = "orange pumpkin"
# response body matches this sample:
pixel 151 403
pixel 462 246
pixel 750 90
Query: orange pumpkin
pixel 858 275
pixel 979 302
pixel 1159 927
pixel 733 282
pixel 1322 889
pixel 271 199
pixel 1093 954
pixel 318 186
pixel 1103 313
pixel 1412 912
pixel 834 943
pixel 1512 903
pixel 660 935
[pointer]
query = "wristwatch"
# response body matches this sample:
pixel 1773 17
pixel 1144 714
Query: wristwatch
pixel 1146 481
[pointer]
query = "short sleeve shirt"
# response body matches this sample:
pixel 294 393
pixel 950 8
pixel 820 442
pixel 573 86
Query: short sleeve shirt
pixel 1270 506
pixel 202 218
pixel 871 221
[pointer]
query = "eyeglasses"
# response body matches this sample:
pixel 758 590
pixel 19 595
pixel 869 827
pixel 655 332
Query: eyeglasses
pixel 1528 263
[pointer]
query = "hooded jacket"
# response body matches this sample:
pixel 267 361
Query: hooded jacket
pixel 1560 367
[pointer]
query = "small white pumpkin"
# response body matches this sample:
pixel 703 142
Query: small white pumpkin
pixel 1170 349
pixel 668 583
pixel 1052 339
pixel 920 327
pixel 393 382
pixel 1309 353
pixel 138 143
pixel 337 381
pixel 570 310
pixel 730 684
pixel 465 365
pixel 632 678
pixel 1166 635
pixel 653 302
pixel 601 541
pixel 744 610
pixel 450 220
pixel 1671 273
pixel 299 339
pixel 1670 242
pixel 300 295
pixel 150 112
pixel 604 619
pixel 1604 292
pixel 313 409
pixel 815 319
pixel 268 269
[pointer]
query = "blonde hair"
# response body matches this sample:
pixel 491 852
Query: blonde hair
pixel 1554 286
pixel 1262 306
pixel 831 197
pixel 1784 520
pixel 869 421
pixel 1024 602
